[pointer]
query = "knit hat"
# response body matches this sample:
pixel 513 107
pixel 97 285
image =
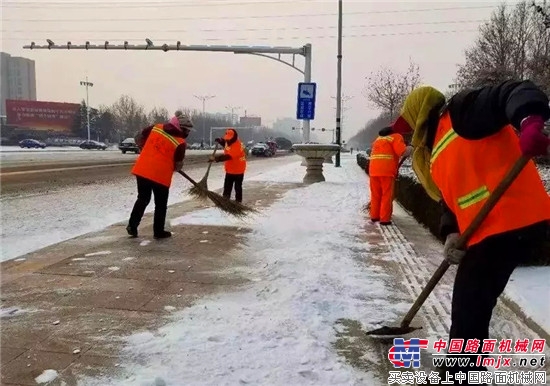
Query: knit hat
pixel 181 120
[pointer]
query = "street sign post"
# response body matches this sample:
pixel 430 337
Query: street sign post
pixel 306 101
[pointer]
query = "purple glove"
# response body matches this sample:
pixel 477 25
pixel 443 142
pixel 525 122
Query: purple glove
pixel 532 140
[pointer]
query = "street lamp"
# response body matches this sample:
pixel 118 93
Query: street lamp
pixel 232 109
pixel 204 98
pixel 87 84
pixel 339 84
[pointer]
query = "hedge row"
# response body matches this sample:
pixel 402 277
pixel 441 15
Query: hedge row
pixel 427 212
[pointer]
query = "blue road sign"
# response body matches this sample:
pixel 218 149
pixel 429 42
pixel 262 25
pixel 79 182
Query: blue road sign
pixel 306 101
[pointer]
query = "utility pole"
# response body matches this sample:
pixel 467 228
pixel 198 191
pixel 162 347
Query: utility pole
pixel 339 85
pixel 232 109
pixel 204 98
pixel 343 108
pixel 87 84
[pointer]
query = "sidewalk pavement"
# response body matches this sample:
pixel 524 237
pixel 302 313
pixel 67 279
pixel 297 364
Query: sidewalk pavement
pixel 70 307
pixel 67 307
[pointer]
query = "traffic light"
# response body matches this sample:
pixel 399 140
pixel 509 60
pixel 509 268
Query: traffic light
pixel 323 129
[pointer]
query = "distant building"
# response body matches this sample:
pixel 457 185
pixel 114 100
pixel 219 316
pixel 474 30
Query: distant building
pixel 18 79
pixel 250 121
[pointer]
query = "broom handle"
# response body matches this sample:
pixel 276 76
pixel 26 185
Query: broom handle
pixel 464 237
pixel 210 163
pixel 189 178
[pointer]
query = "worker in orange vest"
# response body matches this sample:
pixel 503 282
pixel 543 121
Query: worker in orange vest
pixel 234 159
pixel 387 149
pixel 162 152
pixel 463 148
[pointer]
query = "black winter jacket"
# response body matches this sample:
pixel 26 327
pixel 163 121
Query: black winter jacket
pixel 482 112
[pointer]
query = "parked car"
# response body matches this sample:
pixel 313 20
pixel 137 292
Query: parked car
pixel 129 144
pixel 93 145
pixel 31 144
pixel 261 150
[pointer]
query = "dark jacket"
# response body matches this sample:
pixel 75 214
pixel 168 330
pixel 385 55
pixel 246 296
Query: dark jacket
pixel 482 112
pixel 174 131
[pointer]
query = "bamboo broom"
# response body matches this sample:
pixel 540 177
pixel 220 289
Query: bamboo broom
pixel 232 207
pixel 201 188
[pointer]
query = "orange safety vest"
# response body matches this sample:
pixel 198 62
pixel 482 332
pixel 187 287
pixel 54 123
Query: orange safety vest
pixel 156 160
pixel 467 171
pixel 385 154
pixel 237 163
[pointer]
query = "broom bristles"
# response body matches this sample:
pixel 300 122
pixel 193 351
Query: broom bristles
pixel 232 207
pixel 200 190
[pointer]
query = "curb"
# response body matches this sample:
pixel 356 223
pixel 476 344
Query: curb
pixel 529 322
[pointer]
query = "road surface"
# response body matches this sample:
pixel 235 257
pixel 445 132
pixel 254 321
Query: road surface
pixel 38 170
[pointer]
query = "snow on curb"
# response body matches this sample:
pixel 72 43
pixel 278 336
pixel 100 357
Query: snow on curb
pixel 528 290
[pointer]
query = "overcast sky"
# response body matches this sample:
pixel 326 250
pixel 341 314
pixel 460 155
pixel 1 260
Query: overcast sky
pixel 433 34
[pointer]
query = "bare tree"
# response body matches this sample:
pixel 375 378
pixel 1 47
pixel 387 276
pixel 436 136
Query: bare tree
pixel 364 138
pixel 538 62
pixel 512 45
pixel 129 116
pixel 158 115
pixel 387 89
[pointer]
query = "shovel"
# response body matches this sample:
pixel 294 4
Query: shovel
pixel 387 332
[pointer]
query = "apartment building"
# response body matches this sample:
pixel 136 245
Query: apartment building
pixel 18 79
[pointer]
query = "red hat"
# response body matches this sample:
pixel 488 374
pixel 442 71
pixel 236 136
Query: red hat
pixel 401 126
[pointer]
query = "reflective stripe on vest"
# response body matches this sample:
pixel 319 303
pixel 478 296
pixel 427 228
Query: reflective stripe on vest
pixel 160 131
pixel 473 197
pixel 442 144
pixel 467 171
pixel 156 161
pixel 382 156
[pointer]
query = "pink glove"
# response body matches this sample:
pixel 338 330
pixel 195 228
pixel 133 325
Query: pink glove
pixel 532 140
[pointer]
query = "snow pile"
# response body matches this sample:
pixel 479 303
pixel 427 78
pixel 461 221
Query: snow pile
pixel 544 171
pixel 528 287
pixel 280 329
pixel 46 376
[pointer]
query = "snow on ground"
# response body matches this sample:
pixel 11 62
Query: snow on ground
pixel 529 287
pixel 32 222
pixel 279 330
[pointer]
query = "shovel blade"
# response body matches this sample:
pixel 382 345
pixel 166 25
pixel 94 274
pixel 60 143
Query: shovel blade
pixel 387 332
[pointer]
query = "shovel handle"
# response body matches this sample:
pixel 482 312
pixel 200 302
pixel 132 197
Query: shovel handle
pixel 466 235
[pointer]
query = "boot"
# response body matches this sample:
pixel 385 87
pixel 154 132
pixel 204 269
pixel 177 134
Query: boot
pixel 162 235
pixel 132 231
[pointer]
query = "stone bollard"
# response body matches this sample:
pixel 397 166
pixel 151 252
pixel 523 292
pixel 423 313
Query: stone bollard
pixel 314 155
pixel 314 170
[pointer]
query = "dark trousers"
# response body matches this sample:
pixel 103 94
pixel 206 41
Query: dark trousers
pixel 237 180
pixel 145 188
pixel 481 277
